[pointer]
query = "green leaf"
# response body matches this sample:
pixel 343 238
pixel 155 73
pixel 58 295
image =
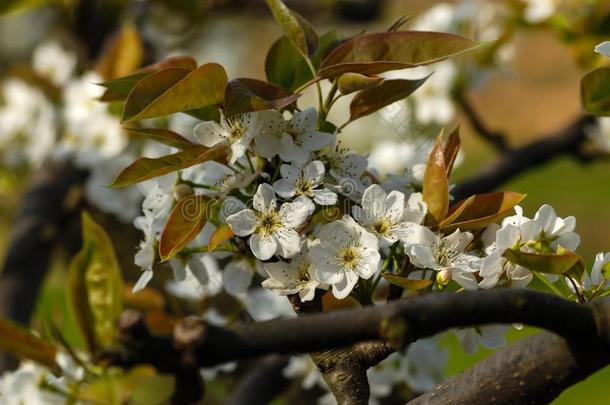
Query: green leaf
pixel 300 33
pixel 480 210
pixel 156 390
pixel 595 91
pixel 184 223
pixel 174 90
pixel 103 282
pixel 77 296
pixel 559 263
pixel 436 187
pixel 407 283
pixel 379 52
pixel 352 82
pixel 127 388
pixel 118 89
pixel 370 100
pixel 164 136
pixel 245 95
pixel 148 168
pixel 285 66
pixel 19 341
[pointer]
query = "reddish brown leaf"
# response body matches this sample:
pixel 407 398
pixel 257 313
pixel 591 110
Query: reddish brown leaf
pixel 407 283
pixel 245 95
pixel 481 210
pixel 379 52
pixel 148 168
pixel 222 234
pixel 185 222
pixel 164 136
pixel 436 186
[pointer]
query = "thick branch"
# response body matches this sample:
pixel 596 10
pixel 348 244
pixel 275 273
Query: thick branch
pixel 567 141
pixel 534 370
pixel 398 323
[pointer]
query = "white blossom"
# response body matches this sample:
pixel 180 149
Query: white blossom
pixel 299 139
pixel 237 277
pixel 431 251
pixel 239 131
pixel 494 265
pixel 538 11
pixel 295 276
pixel 547 226
pixel 273 231
pixel 387 215
pixel 599 134
pixel 595 280
pixel 346 252
pixel 306 182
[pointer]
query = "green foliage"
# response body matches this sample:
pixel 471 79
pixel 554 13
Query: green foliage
pixel 351 82
pixel 185 222
pixel 138 386
pixel 595 91
pixel 560 263
pixel 96 287
pixel 298 31
pixel 148 168
pixel 407 283
pixel 176 89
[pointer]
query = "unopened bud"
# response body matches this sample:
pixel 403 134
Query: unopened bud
pixel 181 191
pixel 443 277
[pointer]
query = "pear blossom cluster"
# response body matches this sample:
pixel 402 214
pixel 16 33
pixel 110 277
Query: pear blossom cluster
pixel 65 121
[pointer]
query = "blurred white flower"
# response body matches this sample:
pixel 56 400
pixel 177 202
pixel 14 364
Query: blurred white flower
pixel 599 134
pixel 53 62
pixel 196 280
pixel 538 11
pixel 596 279
pixel 264 305
pixel 124 202
pixel 489 336
pixel 603 48
pixel 27 119
pixel 26 386
pixel 92 134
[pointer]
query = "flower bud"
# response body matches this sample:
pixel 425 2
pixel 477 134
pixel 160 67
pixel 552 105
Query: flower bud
pixel 181 191
pixel 443 277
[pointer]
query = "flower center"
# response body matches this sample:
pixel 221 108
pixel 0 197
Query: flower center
pixel 350 256
pixel 236 131
pixel 382 226
pixel 268 222
pixel 304 187
pixel 444 255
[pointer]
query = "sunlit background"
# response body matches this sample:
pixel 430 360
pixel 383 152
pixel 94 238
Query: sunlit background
pixel 533 93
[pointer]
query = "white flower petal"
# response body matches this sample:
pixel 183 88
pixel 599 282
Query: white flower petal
pixel 264 199
pixel 325 197
pixel 243 223
pixel 236 277
pixel 143 280
pixel 284 188
pixel 263 247
pixel 210 133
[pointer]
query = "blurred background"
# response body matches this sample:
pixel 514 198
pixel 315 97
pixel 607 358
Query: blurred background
pixel 529 92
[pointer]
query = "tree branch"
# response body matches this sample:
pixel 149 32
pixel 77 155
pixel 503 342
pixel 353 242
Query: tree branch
pixel 397 323
pixel 534 370
pixel 567 141
pixel 495 138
